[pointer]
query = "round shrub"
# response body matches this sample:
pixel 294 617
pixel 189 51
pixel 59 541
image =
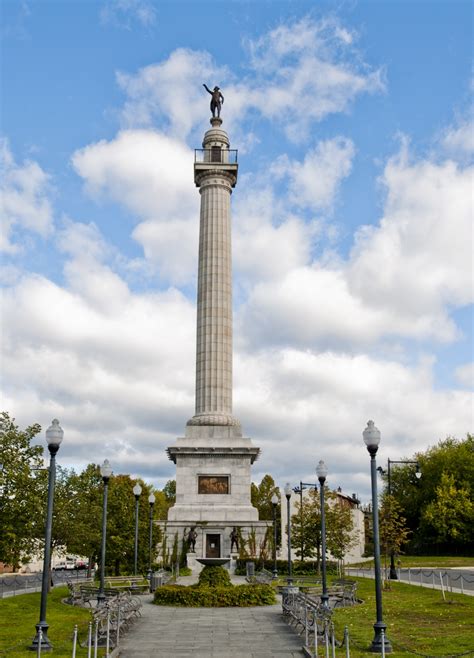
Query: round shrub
pixel 214 577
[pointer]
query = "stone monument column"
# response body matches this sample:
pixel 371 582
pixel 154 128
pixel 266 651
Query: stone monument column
pixel 213 460
pixel 215 174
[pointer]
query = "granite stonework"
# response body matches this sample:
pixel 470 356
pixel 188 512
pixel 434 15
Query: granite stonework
pixel 213 460
pixel 213 451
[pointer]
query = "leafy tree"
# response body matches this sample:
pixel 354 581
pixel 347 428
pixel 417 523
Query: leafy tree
pixel 453 457
pixel 392 526
pixel 341 536
pixel 121 525
pixel 77 522
pixel 450 516
pixel 22 492
pixel 169 491
pixel 261 497
pixel 162 505
pixel 78 512
pixel 306 526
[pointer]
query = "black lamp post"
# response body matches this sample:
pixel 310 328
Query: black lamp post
pixel 321 472
pixel 137 490
pixel 372 439
pixel 151 501
pixel 299 490
pixel 288 497
pixel 393 571
pixel 274 506
pixel 106 473
pixel 54 436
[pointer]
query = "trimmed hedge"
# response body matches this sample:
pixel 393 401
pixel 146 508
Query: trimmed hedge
pixel 199 596
pixel 306 568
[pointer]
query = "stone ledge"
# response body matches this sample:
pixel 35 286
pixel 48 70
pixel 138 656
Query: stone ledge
pixel 190 451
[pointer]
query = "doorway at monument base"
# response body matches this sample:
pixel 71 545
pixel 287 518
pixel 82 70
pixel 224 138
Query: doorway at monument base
pixel 213 540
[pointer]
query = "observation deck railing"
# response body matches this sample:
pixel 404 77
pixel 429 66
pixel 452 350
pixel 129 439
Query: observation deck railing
pixel 215 155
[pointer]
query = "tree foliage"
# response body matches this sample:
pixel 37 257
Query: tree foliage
pixel 392 525
pixel 306 526
pixel 261 497
pixel 450 516
pixel 22 491
pixel 447 471
pixel 341 535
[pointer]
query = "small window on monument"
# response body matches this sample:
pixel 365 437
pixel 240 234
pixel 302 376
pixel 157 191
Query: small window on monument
pixel 215 154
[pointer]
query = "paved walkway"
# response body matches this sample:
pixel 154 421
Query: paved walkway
pixel 210 633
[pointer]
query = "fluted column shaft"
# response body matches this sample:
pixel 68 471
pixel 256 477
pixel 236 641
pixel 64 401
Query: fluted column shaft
pixel 214 300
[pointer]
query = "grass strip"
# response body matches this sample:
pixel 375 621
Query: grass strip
pixel 20 614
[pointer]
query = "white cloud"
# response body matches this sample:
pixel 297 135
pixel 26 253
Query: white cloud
pixel 417 261
pixel 150 174
pixel 315 182
pixel 310 307
pixel 465 375
pixel 123 13
pixel 459 139
pixel 142 170
pixel 308 69
pixel 303 406
pixel 24 199
pixel 98 356
pixel 402 278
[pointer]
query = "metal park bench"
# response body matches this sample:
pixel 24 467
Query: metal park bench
pixel 127 583
pixel 348 595
pixel 75 595
pixel 262 577
pixel 115 616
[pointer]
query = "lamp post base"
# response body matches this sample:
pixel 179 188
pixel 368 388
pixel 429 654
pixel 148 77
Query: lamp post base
pixel 41 636
pixel 380 639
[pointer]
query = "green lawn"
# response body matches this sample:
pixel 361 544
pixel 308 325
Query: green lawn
pixel 417 618
pixel 19 614
pixel 424 561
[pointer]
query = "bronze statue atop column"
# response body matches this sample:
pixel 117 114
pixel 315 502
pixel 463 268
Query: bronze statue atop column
pixel 217 100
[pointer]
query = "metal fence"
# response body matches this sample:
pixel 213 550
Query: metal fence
pixel 446 580
pixel 313 622
pixel 15 584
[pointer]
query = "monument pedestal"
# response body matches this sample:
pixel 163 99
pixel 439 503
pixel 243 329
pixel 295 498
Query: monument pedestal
pixel 213 480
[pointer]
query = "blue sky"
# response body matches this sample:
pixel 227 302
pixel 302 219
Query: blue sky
pixel 352 224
